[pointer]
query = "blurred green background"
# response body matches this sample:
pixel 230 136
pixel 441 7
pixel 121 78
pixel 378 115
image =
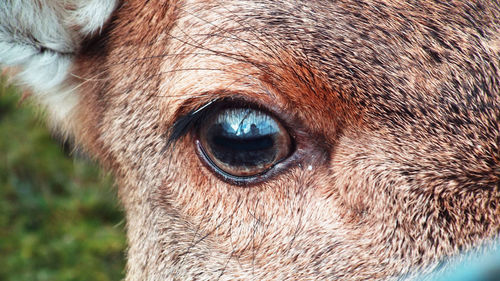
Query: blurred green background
pixel 59 216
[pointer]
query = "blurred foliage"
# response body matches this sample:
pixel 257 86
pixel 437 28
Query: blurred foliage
pixel 59 217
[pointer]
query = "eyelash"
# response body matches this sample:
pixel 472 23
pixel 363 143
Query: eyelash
pixel 187 122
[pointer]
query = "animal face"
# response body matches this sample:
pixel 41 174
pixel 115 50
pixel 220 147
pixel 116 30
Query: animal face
pixel 270 140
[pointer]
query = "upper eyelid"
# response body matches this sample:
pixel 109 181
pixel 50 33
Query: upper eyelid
pixel 184 122
pixel 191 112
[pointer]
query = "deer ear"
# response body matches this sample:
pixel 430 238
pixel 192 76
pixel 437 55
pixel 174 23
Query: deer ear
pixel 40 38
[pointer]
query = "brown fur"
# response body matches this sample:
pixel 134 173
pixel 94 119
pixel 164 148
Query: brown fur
pixel 394 105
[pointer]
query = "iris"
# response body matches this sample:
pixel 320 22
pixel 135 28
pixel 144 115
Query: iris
pixel 244 142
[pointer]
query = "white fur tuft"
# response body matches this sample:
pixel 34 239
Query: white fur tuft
pixel 41 37
pixel 92 14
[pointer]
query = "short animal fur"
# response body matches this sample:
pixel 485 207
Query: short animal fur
pixel 395 107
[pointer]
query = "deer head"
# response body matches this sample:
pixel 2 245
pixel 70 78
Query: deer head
pixel 275 140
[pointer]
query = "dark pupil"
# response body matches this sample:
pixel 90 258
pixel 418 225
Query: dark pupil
pixel 247 150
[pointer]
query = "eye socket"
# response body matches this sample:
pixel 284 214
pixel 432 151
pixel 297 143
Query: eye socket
pixel 243 142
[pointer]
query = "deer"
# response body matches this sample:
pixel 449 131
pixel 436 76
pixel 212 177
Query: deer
pixel 278 140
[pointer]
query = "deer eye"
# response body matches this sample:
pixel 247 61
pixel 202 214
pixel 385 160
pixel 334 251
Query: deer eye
pixel 243 142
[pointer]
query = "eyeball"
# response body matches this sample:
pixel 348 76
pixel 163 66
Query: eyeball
pixel 243 142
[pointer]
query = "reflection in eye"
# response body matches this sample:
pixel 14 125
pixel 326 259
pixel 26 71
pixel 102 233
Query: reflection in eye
pixel 244 142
